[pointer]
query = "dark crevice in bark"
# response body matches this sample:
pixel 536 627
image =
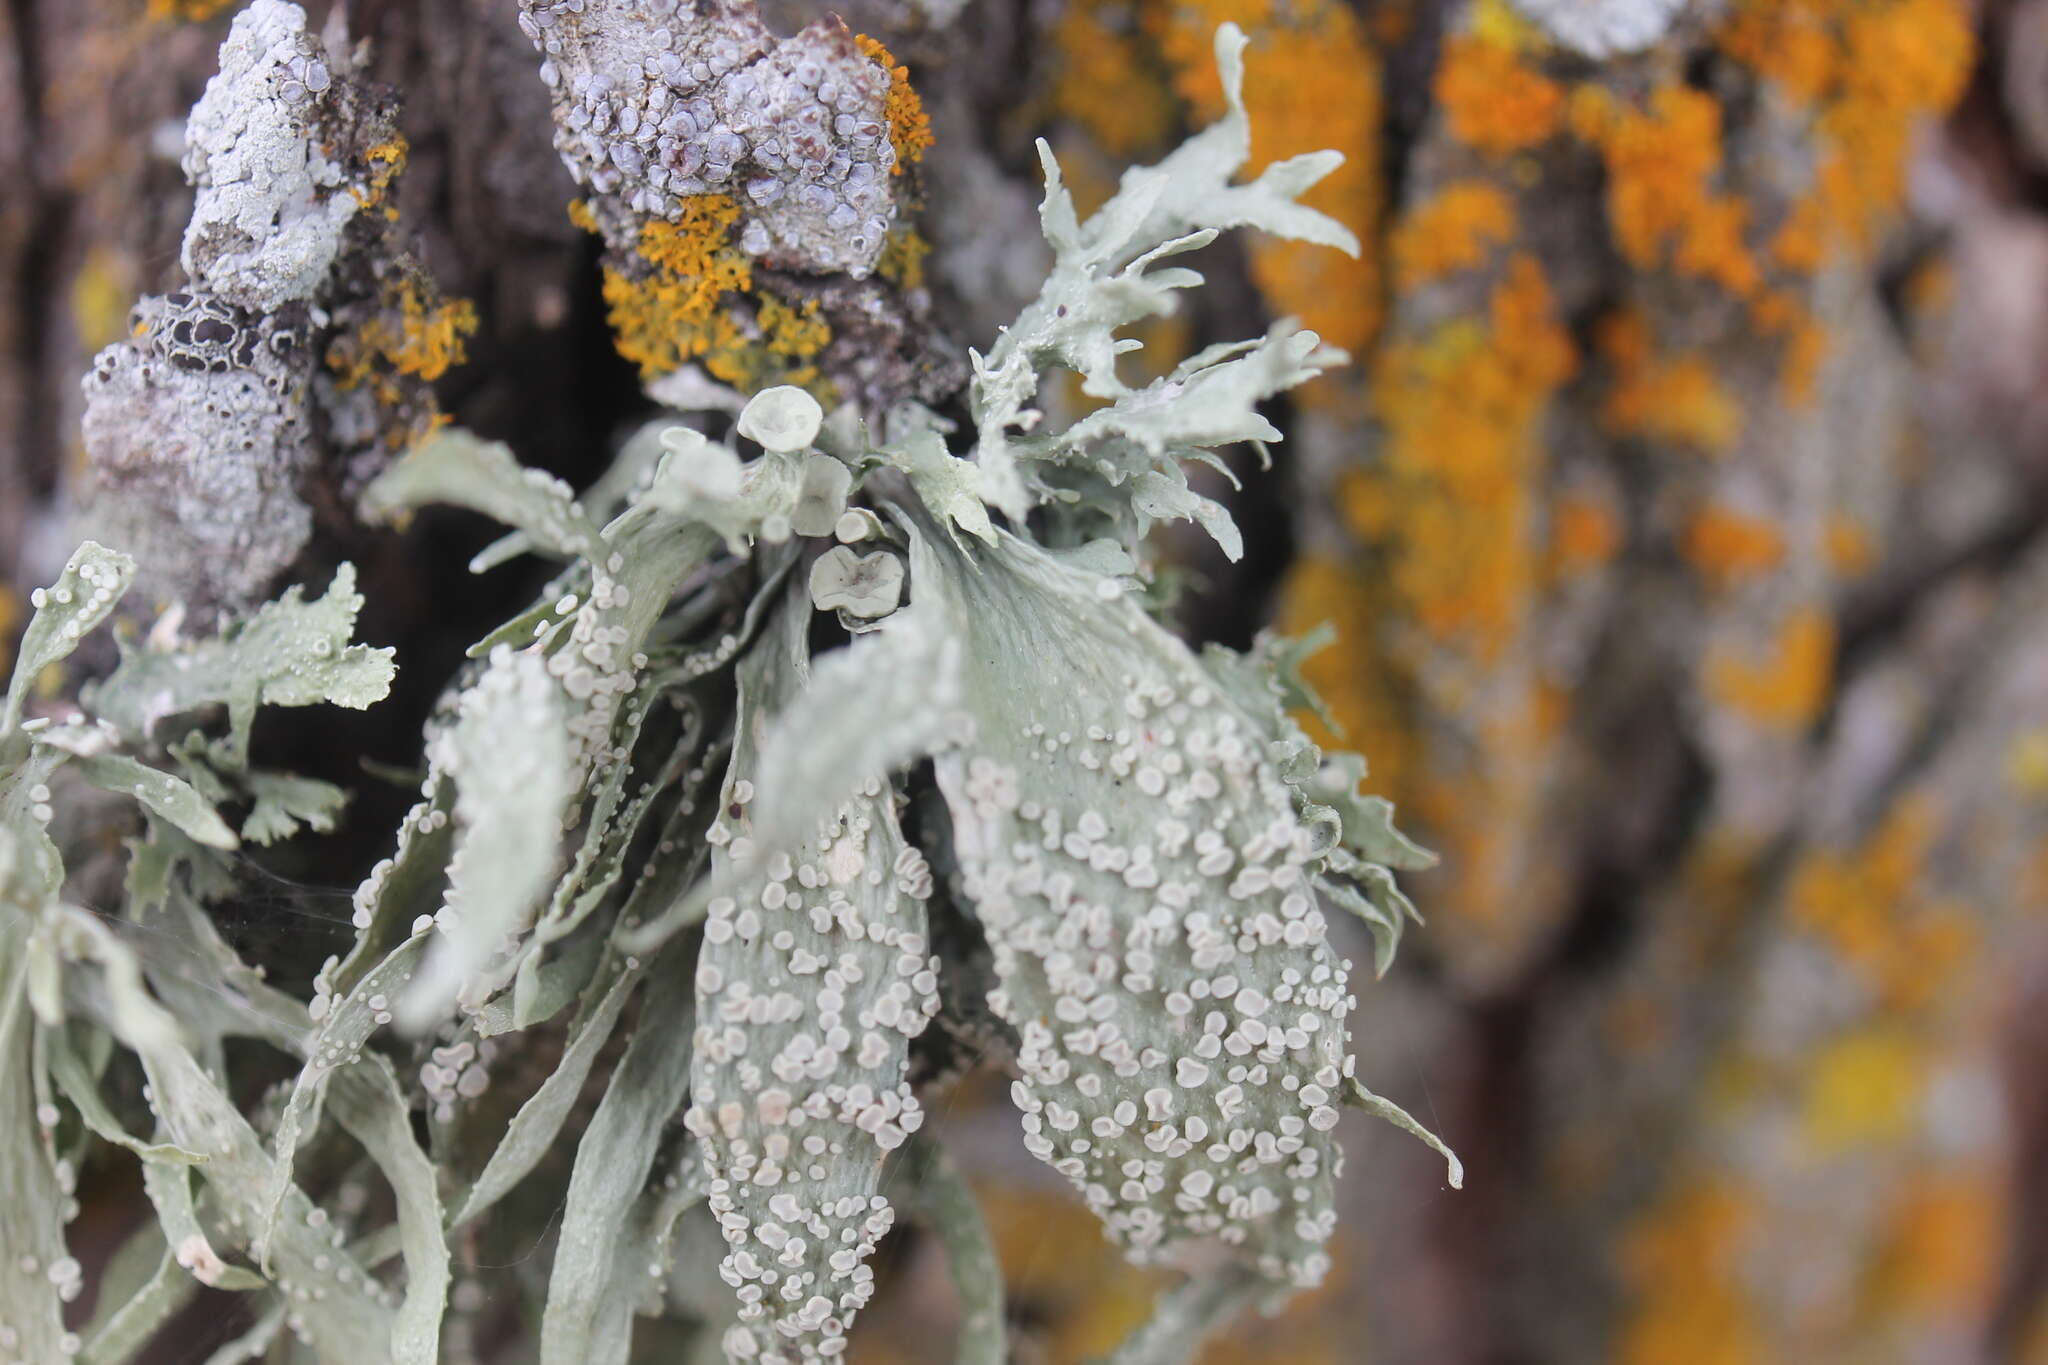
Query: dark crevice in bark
pixel 45 220
pixel 1873 617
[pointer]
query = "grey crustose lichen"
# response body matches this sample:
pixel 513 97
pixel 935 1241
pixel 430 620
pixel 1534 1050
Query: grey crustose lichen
pixel 657 102
pixel 826 739
pixel 203 426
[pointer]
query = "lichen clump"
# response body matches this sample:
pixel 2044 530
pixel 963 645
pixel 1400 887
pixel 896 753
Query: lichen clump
pixel 679 840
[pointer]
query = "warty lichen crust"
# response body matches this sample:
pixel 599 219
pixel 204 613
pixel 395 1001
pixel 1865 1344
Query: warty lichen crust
pixel 814 977
pixel 272 206
pixel 305 343
pixel 197 431
pixel 1146 887
pixel 659 101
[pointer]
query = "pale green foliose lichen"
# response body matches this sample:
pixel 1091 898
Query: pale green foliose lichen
pixel 800 708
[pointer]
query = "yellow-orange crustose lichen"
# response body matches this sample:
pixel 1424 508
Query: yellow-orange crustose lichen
pixel 386 162
pixel 1789 684
pixel 1872 69
pixel 1493 100
pixel 1313 82
pixel 902 259
pixel 415 334
pixel 1847 546
pixel 1661 203
pixel 427 341
pixel 1585 533
pixel 1938 1250
pixel 1110 81
pixel 910 128
pixel 791 337
pixel 1683 1263
pixel 1453 230
pixel 1780 316
pixel 10 617
pixel 1869 906
pixel 671 313
pixel 1725 546
pixel 1462 410
pixel 1675 399
pixel 683 297
pixel 191 11
pixel 1324 590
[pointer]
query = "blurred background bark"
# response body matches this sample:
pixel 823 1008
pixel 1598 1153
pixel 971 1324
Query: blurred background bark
pixel 1681 515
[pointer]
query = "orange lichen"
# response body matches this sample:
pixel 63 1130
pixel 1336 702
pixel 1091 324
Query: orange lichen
pixel 581 214
pixel 1676 399
pixel 10 620
pixel 1493 101
pixel 1870 908
pixel 671 313
pixel 1847 546
pixel 1801 242
pixel 1788 686
pixel 1683 1264
pixel 385 162
pixel 1462 409
pixel 1109 82
pixel 416 334
pixel 1725 546
pixel 1054 1254
pixel 1937 1252
pixel 191 11
pixel 428 340
pixel 789 338
pixel 910 128
pixel 1323 591
pixel 1805 340
pixel 1661 204
pixel 1451 231
pixel 1584 534
pixel 1873 69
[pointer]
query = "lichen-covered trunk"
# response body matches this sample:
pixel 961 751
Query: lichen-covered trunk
pixel 1680 512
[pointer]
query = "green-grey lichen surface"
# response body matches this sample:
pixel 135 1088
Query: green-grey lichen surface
pixel 669 800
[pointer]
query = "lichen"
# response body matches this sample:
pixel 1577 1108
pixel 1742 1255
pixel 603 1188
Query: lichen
pixel 910 128
pixel 659 108
pixel 187 11
pixel 1674 399
pixel 1726 546
pixel 672 310
pixel 1494 101
pixel 1784 684
pixel 1316 85
pixel 1684 1263
pixel 1870 72
pixel 1463 410
pixel 1455 229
